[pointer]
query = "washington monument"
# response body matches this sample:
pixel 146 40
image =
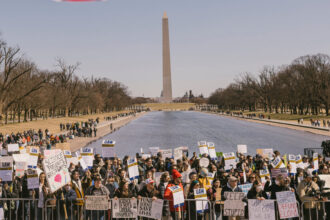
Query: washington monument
pixel 167 81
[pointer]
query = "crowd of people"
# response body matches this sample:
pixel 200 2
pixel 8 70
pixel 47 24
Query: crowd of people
pixel 109 176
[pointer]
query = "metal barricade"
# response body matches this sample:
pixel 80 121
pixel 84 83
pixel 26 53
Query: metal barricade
pixel 20 209
pixel 58 209
pixel 315 210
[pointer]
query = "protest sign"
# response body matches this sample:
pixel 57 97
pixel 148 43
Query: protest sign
pixel 80 160
pixel 277 163
pixel 292 162
pixel 267 153
pixel 178 197
pixel 211 149
pixel 263 173
pixel 157 176
pixel 32 179
pixel 202 145
pixel 233 205
pixel 315 161
pixel 133 169
pixel 185 176
pixel 13 147
pixel 210 177
pixel 63 146
pixel 154 151
pixel 177 154
pixel 88 156
pixel 69 158
pixel 97 203
pixel 287 204
pixel 299 162
pixel 326 179
pixel 22 148
pixel 279 171
pixel 242 149
pixel 124 208
pixel 21 161
pixel 167 153
pixel 204 162
pixel 200 194
pixel 108 148
pixel 56 171
pixel 245 187
pixel 6 168
pixel 261 209
pixel 145 156
pixel 230 160
pixel 33 159
pixel 149 208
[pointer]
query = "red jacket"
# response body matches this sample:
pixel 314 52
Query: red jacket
pixel 168 195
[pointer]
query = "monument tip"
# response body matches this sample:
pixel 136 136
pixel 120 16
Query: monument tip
pixel 165 15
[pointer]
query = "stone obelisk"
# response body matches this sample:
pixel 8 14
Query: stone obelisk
pixel 167 81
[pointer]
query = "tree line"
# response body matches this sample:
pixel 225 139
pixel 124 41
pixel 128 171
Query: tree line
pixel 302 87
pixel 27 92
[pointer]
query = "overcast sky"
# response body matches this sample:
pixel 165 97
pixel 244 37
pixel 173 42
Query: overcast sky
pixel 211 41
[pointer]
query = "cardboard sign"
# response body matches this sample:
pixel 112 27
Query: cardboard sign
pixel 13 147
pixel 32 179
pixel 177 154
pixel 108 148
pixel 200 194
pixel 202 145
pixel 153 151
pixel 6 168
pixel 178 197
pixel 97 203
pixel 133 169
pixel 33 159
pixel 287 204
pixel 56 171
pixel 204 162
pixel 211 149
pixel 149 208
pixel 230 160
pixel 88 156
pixel 261 209
pixel 242 149
pixel 245 187
pixel 233 205
pixel 167 153
pixel 124 208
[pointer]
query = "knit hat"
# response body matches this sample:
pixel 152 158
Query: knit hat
pixel 175 174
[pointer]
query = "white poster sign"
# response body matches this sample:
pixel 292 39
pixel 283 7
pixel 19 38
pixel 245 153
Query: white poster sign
pixel 278 163
pixel 287 204
pixel 97 203
pixel 261 209
pixel 108 148
pixel 177 154
pixel 315 161
pixel 204 162
pixel 211 149
pixel 242 149
pixel 202 145
pixel 88 156
pixel 154 151
pixel 133 169
pixel 178 197
pixel 149 208
pixel 124 208
pixel 13 147
pixel 230 160
pixel 292 162
pixel 200 194
pixel 33 159
pixel 32 179
pixel 6 168
pixel 233 205
pixel 56 171
pixel 167 153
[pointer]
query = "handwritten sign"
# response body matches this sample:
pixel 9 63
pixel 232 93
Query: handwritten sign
pixel 261 209
pixel 124 208
pixel 202 145
pixel 287 204
pixel 242 149
pixel 97 203
pixel 150 209
pixel 233 205
pixel 13 147
pixel 56 171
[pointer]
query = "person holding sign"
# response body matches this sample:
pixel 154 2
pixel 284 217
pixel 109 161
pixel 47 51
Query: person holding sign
pixel 256 191
pixel 172 196
pixel 191 205
pixel 214 195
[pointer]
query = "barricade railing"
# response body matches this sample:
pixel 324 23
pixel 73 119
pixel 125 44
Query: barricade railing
pixel 20 209
pixel 315 210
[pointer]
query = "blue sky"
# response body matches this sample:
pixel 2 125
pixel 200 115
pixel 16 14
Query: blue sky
pixel 212 41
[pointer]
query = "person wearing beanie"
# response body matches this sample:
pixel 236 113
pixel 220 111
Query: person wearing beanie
pixel 176 213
